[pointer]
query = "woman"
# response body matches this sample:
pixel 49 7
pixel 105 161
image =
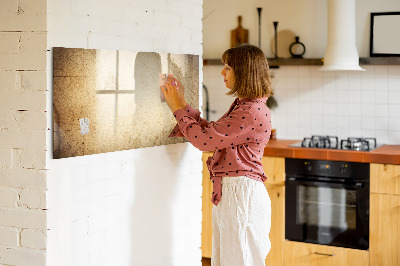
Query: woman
pixel 242 208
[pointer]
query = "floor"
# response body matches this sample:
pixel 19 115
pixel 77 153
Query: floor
pixel 206 261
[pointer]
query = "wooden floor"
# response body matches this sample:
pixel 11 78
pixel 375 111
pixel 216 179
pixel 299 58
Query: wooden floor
pixel 206 261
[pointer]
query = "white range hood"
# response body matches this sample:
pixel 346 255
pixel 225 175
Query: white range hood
pixel 341 51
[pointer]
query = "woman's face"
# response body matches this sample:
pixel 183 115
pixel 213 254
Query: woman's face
pixel 229 76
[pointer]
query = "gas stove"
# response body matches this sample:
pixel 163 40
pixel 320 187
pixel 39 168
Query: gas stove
pixel 332 142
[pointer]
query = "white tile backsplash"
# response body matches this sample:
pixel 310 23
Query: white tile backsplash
pixel 381 83
pixel 394 97
pixel 394 110
pixel 394 82
pixel 345 103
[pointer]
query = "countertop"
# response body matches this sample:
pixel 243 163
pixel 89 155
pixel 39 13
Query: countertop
pixel 389 154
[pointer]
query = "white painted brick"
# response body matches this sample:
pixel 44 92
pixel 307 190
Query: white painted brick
pixel 9 42
pixel 103 41
pixel 22 218
pixel 8 6
pixel 168 19
pixel 33 199
pixel 16 158
pixel 30 7
pixel 197 10
pixel 154 32
pixel 32 120
pixel 9 237
pixel 5 158
pixel 33 239
pixel 191 23
pixel 191 48
pixel 79 228
pixel 149 6
pixel 96 173
pixel 33 159
pixel 17 256
pixel 179 7
pixel 197 166
pixel 31 80
pixel 21 61
pixel 23 178
pixel 196 37
pixel 23 22
pixel 114 186
pixel 15 139
pixel 8 197
pixel 98 222
pixel 23 100
pixel 31 56
pixel 7 80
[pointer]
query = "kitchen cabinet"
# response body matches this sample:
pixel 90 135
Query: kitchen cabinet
pixel 305 254
pixel 385 178
pixel 206 225
pixel 385 214
pixel 274 168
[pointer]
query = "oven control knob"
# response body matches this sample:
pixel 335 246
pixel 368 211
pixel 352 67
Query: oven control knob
pixel 343 168
pixel 308 166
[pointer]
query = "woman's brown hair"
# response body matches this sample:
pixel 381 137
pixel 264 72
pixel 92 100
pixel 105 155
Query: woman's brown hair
pixel 250 66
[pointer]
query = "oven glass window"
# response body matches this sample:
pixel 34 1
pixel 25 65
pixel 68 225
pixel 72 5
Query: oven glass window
pixel 327 207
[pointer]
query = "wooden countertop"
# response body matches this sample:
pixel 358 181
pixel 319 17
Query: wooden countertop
pixel 389 154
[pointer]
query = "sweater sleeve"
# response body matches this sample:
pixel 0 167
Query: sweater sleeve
pixel 193 113
pixel 229 131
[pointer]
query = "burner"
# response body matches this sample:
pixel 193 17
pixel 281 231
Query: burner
pixel 328 142
pixel 358 144
pixel 332 142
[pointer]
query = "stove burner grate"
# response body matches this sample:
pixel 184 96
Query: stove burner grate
pixel 358 144
pixel 332 142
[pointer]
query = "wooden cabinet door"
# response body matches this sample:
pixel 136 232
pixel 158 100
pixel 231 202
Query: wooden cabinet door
pixel 305 254
pixel 385 178
pixel 277 233
pixel 206 226
pixel 384 236
pixel 274 168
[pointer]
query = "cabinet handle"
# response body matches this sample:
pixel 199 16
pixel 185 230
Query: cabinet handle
pixel 324 254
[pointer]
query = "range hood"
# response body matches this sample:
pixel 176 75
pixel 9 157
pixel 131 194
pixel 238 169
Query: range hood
pixel 341 51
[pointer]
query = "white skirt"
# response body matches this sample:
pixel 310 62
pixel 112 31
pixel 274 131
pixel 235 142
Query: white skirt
pixel 241 223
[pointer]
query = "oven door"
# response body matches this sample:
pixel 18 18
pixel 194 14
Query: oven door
pixel 327 213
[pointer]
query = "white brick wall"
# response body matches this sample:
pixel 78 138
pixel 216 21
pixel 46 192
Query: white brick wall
pixel 23 132
pixel 100 206
pixel 136 207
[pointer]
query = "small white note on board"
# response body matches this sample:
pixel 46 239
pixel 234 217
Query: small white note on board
pixel 84 122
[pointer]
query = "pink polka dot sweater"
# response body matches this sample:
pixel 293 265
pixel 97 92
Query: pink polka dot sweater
pixel 238 139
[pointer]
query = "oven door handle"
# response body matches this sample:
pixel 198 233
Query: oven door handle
pixel 324 254
pixel 352 185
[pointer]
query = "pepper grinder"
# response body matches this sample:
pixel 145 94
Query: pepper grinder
pixel 276 38
pixel 259 26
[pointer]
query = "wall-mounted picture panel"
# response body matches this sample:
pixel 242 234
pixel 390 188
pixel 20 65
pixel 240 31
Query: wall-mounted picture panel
pixel 384 35
pixel 106 100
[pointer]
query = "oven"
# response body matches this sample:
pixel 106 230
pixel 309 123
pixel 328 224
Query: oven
pixel 327 202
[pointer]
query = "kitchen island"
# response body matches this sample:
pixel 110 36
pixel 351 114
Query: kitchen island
pixel 384 248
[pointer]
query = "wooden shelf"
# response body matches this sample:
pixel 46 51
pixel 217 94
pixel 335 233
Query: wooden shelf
pixel 274 63
pixel 380 61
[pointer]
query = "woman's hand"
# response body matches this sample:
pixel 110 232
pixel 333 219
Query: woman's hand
pixel 181 92
pixel 173 97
